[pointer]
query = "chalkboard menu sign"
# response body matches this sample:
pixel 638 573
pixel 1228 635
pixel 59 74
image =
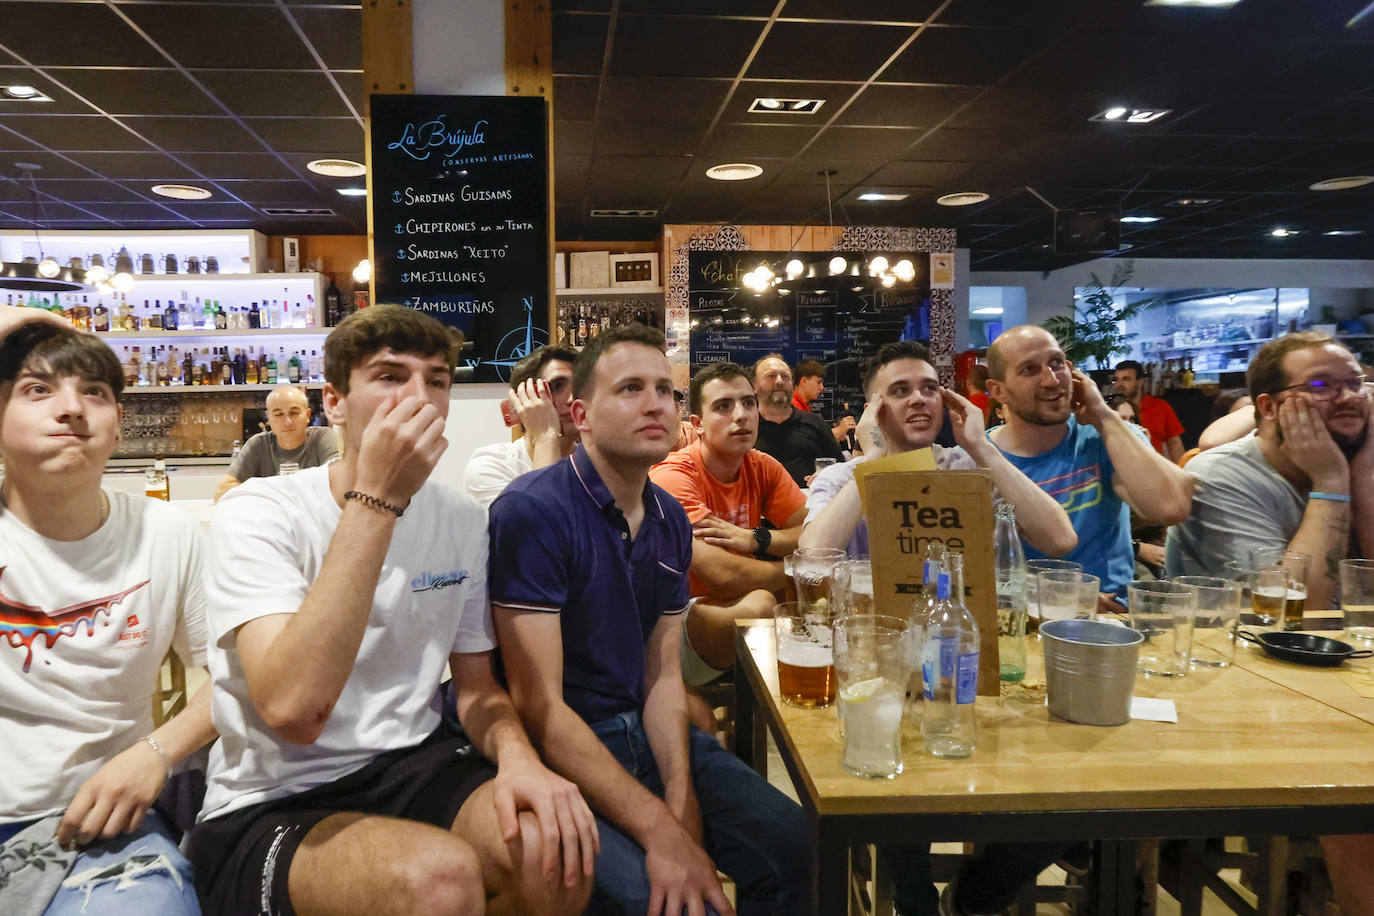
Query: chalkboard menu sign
pixel 460 218
pixel 840 321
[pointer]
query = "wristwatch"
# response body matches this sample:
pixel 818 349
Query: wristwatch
pixel 763 538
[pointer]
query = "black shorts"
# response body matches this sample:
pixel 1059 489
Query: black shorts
pixel 241 860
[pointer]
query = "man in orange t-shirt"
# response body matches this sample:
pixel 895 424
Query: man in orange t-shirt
pixel 729 490
pixel 1154 413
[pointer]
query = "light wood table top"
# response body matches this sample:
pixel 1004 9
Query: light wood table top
pixel 1242 738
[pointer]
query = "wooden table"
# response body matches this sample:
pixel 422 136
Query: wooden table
pixel 1248 755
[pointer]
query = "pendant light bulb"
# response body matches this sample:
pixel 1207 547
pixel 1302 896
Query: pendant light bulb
pixel 363 272
pixel 49 268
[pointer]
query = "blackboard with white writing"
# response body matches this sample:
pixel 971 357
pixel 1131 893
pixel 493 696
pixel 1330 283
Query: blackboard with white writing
pixel 460 218
pixel 840 321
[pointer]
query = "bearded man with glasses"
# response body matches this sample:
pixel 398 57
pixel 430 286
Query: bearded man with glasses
pixel 1303 482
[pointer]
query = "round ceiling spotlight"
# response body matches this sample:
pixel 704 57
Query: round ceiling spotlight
pixel 961 199
pixel 734 171
pixel 21 92
pixel 337 168
pixel 181 191
pixel 1342 184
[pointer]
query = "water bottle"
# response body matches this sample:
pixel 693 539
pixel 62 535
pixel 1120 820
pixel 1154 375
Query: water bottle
pixel 916 626
pixel 950 662
pixel 1009 567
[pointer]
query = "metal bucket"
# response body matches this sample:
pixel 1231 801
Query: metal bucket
pixel 1090 670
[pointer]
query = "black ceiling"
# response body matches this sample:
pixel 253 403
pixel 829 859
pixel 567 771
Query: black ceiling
pixel 922 96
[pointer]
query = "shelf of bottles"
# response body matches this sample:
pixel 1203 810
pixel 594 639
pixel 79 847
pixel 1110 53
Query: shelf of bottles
pixel 585 314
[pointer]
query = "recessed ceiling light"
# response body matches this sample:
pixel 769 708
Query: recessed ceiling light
pixel 734 171
pixel 786 106
pixel 352 192
pixel 23 94
pixel 878 195
pixel 1140 219
pixel 1130 115
pixel 1281 232
pixel 988 310
pixel 1342 184
pixel 181 191
pixel 337 168
pixel 961 199
pixel 1343 232
pixel 1194 202
pixel 1214 4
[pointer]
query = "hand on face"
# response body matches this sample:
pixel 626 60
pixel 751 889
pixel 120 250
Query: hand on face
pixel 967 419
pixel 869 431
pixel 1309 445
pixel 533 404
pixel 401 444
pixel 1087 402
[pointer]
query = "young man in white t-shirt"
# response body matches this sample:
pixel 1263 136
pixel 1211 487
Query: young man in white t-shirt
pixel 337 596
pixel 95 586
pixel 541 399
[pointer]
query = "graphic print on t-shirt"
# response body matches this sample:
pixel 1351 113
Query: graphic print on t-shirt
pixel 1077 490
pixel 21 624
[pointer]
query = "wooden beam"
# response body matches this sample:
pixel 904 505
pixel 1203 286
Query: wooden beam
pixel 529 72
pixel 388 69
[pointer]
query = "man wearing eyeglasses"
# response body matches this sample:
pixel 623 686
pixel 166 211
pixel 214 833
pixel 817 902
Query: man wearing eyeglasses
pixel 1302 482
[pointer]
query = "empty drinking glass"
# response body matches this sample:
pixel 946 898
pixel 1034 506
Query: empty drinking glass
pixel 1214 621
pixel 1067 594
pixel 812 570
pixel 1357 598
pixel 1033 570
pixel 1163 613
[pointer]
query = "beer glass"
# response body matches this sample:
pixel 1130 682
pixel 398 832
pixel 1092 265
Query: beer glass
pixel 806 667
pixel 853 588
pixel 1067 594
pixel 1268 591
pixel 1163 613
pixel 1295 565
pixel 812 570
pixel 1357 598
pixel 821 465
pixel 1214 621
pixel 872 666
pixel 1033 570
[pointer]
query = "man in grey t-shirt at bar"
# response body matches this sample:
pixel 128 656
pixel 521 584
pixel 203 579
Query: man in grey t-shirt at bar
pixel 1303 482
pixel 289 438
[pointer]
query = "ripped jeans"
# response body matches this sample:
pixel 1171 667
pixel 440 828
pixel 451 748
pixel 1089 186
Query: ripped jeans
pixel 131 875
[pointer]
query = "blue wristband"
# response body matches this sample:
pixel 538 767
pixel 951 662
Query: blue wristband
pixel 1334 497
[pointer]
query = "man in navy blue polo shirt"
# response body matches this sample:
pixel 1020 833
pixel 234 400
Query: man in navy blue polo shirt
pixel 588 579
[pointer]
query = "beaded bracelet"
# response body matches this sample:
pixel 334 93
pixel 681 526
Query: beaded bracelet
pixel 152 743
pixel 374 503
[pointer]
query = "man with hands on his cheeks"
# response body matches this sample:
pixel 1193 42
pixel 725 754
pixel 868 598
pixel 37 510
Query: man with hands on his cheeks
pixel 904 412
pixel 1301 483
pixel 337 597
pixel 95 586
pixel 589 583
pixel 540 400
pixel 1061 433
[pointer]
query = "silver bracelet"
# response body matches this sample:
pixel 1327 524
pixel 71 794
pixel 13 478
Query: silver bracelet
pixel 152 743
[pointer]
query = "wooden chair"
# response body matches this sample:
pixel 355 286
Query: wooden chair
pixel 1267 869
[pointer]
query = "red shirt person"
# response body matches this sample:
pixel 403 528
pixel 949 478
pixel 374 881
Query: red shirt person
pixel 1155 414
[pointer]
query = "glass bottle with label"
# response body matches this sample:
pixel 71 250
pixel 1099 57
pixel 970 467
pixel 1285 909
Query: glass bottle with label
pixel 155 484
pixel 1009 569
pixel 100 317
pixel 950 663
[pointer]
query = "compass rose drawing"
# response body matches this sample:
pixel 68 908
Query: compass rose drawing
pixel 517 343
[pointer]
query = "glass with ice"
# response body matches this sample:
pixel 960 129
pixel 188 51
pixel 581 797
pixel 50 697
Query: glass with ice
pixel 872 666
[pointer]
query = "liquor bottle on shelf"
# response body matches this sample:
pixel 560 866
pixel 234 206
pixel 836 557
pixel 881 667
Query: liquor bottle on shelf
pixel 100 317
pixel 226 367
pixel 83 314
pixel 333 304
pixel 188 368
pixel 221 319
pixel 184 317
pixel 316 367
pixel 132 377
pixel 581 340
pixel 309 317
pixel 1187 376
pixel 250 373
pixel 155 483
pixel 269 313
pixel 268 372
pixel 293 371
pixel 171 319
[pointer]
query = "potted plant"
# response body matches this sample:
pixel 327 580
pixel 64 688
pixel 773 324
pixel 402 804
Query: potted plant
pixel 1092 333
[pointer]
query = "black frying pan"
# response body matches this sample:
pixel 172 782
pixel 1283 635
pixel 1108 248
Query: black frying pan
pixel 1305 648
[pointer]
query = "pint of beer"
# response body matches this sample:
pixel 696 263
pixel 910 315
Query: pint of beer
pixel 806 667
